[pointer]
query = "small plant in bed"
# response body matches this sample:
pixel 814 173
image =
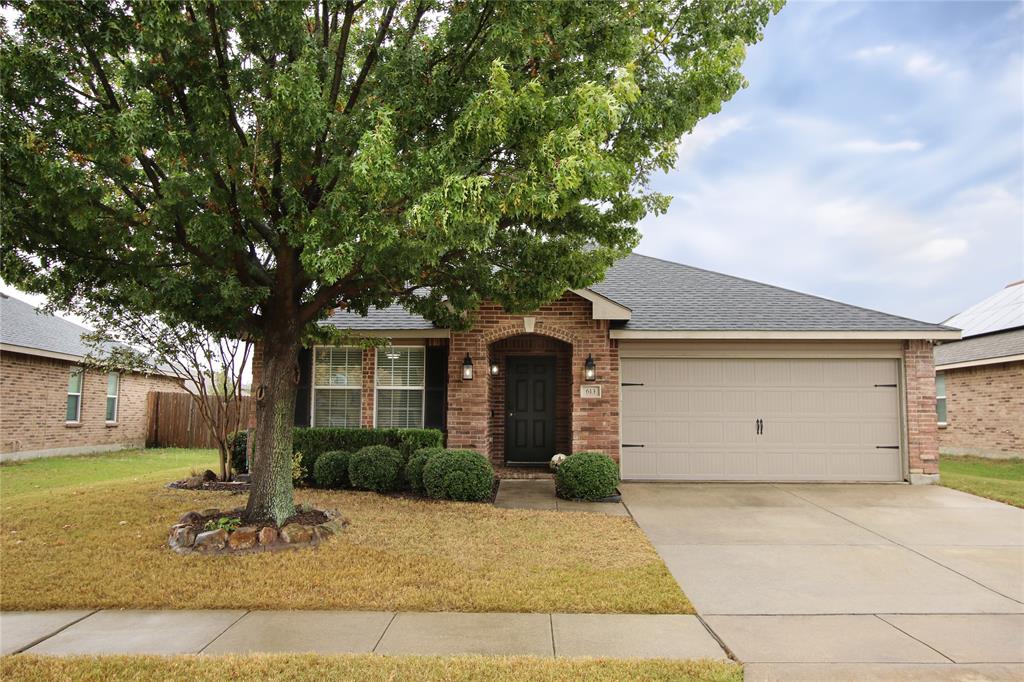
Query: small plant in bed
pixel 377 468
pixel 588 477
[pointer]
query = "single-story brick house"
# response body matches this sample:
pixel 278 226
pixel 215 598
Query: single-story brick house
pixel 979 381
pixel 50 404
pixel 678 373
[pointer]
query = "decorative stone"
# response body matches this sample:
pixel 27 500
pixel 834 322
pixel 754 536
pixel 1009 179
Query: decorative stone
pixel 329 528
pixel 210 512
pixel 267 535
pixel 182 535
pixel 211 540
pixel 296 533
pixel 242 538
pixel 190 518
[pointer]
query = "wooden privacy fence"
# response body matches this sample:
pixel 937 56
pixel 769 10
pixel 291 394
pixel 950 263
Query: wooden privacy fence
pixel 175 421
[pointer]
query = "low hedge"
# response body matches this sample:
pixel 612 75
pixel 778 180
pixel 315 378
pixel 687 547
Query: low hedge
pixel 313 442
pixel 462 475
pixel 236 447
pixel 414 468
pixel 331 469
pixel 377 468
pixel 587 476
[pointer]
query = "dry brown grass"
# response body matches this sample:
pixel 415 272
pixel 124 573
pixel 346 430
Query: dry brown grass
pixel 105 546
pixel 364 667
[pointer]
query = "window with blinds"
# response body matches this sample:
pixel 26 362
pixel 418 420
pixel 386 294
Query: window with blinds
pixel 337 384
pixel 399 378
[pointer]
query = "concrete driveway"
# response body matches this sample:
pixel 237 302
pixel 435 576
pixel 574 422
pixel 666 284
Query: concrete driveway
pixel 812 574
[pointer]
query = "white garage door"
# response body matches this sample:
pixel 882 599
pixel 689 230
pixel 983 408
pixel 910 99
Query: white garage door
pixel 760 420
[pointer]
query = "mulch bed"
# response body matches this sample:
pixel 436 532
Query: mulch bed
pixel 237 487
pixel 306 517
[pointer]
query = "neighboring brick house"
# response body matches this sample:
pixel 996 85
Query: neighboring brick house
pixel 677 373
pixel 51 405
pixel 980 380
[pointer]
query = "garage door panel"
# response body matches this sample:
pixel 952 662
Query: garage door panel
pixel 823 419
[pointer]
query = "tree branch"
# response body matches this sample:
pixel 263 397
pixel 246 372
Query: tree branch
pixel 215 36
pixel 371 57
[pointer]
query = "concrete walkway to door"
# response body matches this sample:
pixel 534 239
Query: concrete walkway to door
pixel 795 577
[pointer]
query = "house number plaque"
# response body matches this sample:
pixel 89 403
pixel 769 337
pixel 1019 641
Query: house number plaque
pixel 593 391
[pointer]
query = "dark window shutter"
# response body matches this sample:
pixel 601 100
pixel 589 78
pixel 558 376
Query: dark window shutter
pixel 435 394
pixel 302 395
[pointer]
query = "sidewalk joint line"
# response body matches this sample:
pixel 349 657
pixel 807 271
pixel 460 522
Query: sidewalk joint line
pixel 55 632
pixel 221 633
pixel 898 628
pixel 384 632
pixel 551 629
pixel 721 642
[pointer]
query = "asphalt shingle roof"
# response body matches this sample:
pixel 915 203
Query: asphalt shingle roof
pixel 987 347
pixel 22 325
pixel 670 296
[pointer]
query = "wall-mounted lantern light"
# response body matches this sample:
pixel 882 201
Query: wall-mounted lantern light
pixel 590 369
pixel 495 367
pixel 467 368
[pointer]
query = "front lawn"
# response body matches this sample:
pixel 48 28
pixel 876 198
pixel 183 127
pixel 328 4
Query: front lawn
pixel 58 472
pixel 996 479
pixel 104 545
pixel 366 667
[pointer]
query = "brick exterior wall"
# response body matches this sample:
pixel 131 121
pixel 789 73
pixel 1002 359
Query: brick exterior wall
pixel 984 411
pixel 33 401
pixel 922 429
pixel 593 422
pixel 531 344
pixel 368 389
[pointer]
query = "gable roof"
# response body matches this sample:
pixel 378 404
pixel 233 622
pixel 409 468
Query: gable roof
pixel 23 326
pixel 661 297
pixel 1005 346
pixel 1002 310
pixel 670 296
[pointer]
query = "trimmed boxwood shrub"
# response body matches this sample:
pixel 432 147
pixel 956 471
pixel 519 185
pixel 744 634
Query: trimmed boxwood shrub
pixel 587 476
pixel 236 446
pixel 331 469
pixel 414 468
pixel 376 467
pixel 463 475
pixel 313 442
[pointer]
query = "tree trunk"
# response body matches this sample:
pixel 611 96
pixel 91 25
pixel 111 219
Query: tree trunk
pixel 270 492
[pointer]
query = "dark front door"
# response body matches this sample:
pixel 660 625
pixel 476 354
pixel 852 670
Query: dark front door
pixel 530 410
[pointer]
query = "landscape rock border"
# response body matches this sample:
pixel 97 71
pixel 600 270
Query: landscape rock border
pixel 184 538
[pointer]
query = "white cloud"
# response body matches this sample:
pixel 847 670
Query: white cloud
pixel 869 53
pixel 939 250
pixel 868 146
pixel 707 133
pixel 924 65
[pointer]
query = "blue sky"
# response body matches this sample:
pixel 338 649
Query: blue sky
pixel 875 158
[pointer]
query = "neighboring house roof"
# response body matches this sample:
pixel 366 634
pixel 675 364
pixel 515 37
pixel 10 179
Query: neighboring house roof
pixel 25 329
pixel 1005 346
pixel 1002 310
pixel 23 326
pixel 666 297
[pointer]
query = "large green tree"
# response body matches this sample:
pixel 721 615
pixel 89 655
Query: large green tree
pixel 246 166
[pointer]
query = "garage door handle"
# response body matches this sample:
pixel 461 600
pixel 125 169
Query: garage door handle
pixel 628 383
pixel 632 445
pixel 887 447
pixel 759 426
pixel 885 385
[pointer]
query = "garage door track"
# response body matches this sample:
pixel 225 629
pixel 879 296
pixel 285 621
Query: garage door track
pixel 805 575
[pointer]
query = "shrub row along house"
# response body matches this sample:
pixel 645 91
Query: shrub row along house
pixel 677 373
pixel 979 381
pixel 50 404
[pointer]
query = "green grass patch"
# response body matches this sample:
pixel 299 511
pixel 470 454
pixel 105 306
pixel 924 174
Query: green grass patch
pixel 47 473
pixel 996 479
pixel 366 667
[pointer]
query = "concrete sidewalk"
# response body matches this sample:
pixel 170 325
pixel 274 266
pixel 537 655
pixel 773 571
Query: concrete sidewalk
pixel 334 632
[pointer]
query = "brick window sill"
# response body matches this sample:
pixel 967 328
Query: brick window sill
pixel 943 425
pixel 111 425
pixel 73 425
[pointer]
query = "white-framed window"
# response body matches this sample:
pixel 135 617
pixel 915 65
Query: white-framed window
pixel 73 409
pixel 337 386
pixel 113 391
pixel 399 379
pixel 940 398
